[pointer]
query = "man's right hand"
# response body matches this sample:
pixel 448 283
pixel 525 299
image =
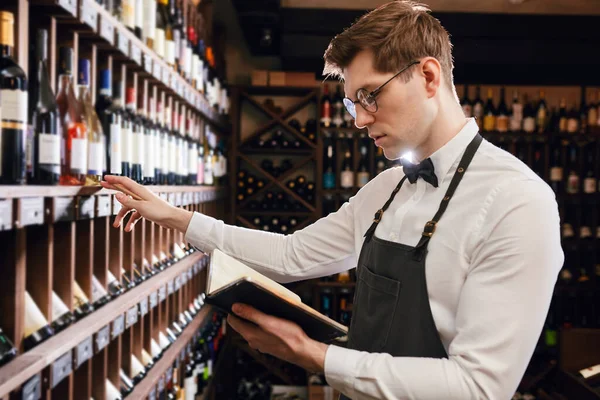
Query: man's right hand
pixel 150 206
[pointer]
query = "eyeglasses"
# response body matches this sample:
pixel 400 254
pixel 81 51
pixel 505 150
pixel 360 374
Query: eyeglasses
pixel 367 99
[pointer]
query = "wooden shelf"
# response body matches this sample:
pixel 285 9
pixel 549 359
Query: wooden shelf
pixel 24 366
pixel 126 44
pixel 11 191
pixel 144 388
pixel 279 90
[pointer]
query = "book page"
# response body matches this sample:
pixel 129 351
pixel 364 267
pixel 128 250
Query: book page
pixel 225 269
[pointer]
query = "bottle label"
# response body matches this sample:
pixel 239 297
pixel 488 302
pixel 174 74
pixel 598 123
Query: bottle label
pixel 551 337
pixel 182 157
pixel 200 176
pixel 79 150
pixel 29 146
pixel 556 174
pixel 49 146
pixel 541 119
pixel 347 179
pixel 188 60
pixel 572 125
pixel 170 52
pixel 489 123
pixel 568 230
pixel 176 44
pixel 34 319
pixel 159 42
pixel 192 159
pixel 573 184
pixel 139 13
pixel 173 156
pixel 589 185
pixel 138 148
pixel 95 158
pixel 115 149
pixel 149 160
pixel 126 145
pixel 129 13
pixel 467 110
pixel 593 116
pixel 529 124
pixel 591 371
pixel 98 290
pixel 502 123
pixel 329 180
pixel 14 106
pixel 362 179
pixel 165 150
pixel 208 174
pixel 58 307
pixel 585 232
pixel 478 111
pixel 150 19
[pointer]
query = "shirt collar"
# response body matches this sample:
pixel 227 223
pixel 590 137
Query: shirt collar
pixel 444 157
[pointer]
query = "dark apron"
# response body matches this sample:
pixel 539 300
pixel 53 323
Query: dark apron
pixel 391 312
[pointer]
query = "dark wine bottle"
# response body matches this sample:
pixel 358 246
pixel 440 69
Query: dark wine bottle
pixel 13 106
pixel 7 349
pixel 137 135
pixel 46 143
pixel 110 113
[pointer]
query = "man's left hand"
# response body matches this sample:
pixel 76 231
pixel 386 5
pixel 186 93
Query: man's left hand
pixel 279 337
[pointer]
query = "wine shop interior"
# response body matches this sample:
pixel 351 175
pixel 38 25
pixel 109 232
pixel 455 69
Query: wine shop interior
pixel 221 107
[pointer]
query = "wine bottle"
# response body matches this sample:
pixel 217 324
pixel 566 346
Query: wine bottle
pixel 329 174
pixel 325 108
pixel 163 341
pixel 110 113
pixel 149 157
pixel 155 350
pixel 149 23
pixel 347 174
pixel 478 108
pixel 169 52
pixel 563 116
pixel 81 303
pixel 62 317
pixel 528 116
pixel 46 144
pixel 126 384
pixel 138 18
pixel 147 359
pixel 489 113
pixel 94 129
pixel 111 391
pixel 542 114
pixel 590 181
pixel 192 155
pixel 138 372
pixel 502 114
pixel 337 111
pixel 137 137
pixel 114 287
pixel 126 280
pixel 13 103
pixel 7 349
pixel 573 120
pixel 36 329
pixel 516 113
pixel 363 176
pixel 592 111
pixel 573 177
pixel 74 162
pixel 466 104
pixel 99 295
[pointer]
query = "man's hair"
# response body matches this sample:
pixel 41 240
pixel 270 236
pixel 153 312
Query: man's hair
pixel 397 33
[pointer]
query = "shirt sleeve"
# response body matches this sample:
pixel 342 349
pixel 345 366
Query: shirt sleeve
pixel 323 248
pixel 515 257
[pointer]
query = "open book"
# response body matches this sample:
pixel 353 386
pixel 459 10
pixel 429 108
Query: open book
pixel 230 281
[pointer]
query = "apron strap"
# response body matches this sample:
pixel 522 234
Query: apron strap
pixel 377 218
pixel 464 163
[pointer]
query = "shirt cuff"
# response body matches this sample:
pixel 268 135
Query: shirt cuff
pixel 199 232
pixel 340 368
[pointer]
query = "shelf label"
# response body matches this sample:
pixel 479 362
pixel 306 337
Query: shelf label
pixel 103 204
pixel 152 394
pixel 6 214
pixel 83 352
pixel 177 283
pixel 122 42
pixel 178 199
pixel 116 205
pixel 118 326
pixel 144 306
pixel 190 275
pixel 170 287
pixel 69 6
pixel 102 338
pixel 153 300
pixel 88 15
pixel 62 368
pixel 176 85
pixel 148 63
pixel 86 207
pixel 156 71
pixel 184 277
pixel 136 54
pixel 166 77
pixel 31 211
pixel 32 389
pixel 132 316
pixel 107 30
pixel 162 293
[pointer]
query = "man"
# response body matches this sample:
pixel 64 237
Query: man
pixel 456 256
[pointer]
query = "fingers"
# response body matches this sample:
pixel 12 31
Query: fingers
pixel 128 184
pixel 135 217
pixel 267 322
pixel 250 332
pixel 121 215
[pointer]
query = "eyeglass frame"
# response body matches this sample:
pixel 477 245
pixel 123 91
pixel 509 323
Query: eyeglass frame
pixel 374 93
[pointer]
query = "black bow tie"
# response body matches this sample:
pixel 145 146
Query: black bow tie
pixel 424 170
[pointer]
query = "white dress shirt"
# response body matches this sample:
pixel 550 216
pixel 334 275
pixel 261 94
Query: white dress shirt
pixel 491 268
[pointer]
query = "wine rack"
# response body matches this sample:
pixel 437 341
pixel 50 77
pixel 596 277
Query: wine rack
pixel 272 146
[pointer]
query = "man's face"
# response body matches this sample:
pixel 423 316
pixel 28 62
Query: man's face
pixel 403 111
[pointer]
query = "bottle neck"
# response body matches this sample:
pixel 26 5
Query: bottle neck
pixel 64 82
pixel 6 51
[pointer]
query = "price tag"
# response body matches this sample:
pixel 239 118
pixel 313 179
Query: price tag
pixel 31 211
pixel 123 42
pixel 132 316
pixel 32 389
pixel 177 283
pixel 6 214
pixel 152 394
pixel 136 54
pixel 170 287
pixel 88 15
pixel 153 300
pixel 178 199
pixel 69 6
pixel 103 206
pixel 118 326
pixel 102 338
pixel 61 368
pixel 148 63
pixel 144 306
pixel 83 352
pixel 87 206
pixel 107 30
pixel 162 293
pixel 116 205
